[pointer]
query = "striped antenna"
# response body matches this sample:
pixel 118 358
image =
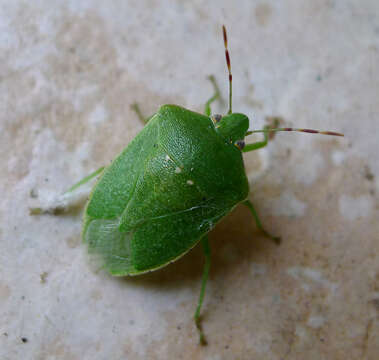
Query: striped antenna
pixel 227 57
pixel 310 131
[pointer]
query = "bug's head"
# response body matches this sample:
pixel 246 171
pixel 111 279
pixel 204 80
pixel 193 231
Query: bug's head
pixel 232 127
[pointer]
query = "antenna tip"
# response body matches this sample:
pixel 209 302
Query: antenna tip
pixel 224 34
pixel 335 133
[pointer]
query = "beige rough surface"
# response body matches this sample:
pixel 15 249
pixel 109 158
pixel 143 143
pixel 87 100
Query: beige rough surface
pixel 69 71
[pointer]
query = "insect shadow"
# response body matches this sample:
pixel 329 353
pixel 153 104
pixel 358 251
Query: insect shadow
pixel 234 241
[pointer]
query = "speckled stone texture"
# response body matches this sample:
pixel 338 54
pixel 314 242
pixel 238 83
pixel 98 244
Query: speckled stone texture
pixel 69 71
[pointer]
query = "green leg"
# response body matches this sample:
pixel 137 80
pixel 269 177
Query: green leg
pixel 135 107
pixel 63 202
pixel 207 254
pixel 257 145
pixel 85 180
pixel 207 108
pixel 249 204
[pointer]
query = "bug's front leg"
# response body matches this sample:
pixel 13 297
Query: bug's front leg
pixel 215 96
pixel 259 144
pixel 207 264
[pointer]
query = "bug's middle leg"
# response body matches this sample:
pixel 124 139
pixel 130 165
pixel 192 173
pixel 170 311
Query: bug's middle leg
pixel 249 204
pixel 207 264
pixel 215 96
pixel 135 107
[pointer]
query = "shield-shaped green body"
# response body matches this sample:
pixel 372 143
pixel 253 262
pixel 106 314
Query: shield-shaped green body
pixel 175 180
pixel 168 188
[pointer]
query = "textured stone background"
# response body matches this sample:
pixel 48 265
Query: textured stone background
pixel 69 71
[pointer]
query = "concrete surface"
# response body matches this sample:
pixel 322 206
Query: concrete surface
pixel 69 71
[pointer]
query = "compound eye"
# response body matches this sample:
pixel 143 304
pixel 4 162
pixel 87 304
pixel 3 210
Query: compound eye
pixel 216 118
pixel 240 144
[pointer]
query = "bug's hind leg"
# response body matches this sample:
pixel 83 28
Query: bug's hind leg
pixel 207 264
pixel 249 204
pixel 85 180
pixel 216 95
pixel 135 107
pixel 62 203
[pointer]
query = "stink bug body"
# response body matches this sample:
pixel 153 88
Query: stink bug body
pixel 169 187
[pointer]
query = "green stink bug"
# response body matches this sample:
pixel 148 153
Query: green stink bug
pixel 169 187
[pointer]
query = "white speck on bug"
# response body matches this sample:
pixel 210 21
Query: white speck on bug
pixel 178 170
pixel 189 182
pixel 167 158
